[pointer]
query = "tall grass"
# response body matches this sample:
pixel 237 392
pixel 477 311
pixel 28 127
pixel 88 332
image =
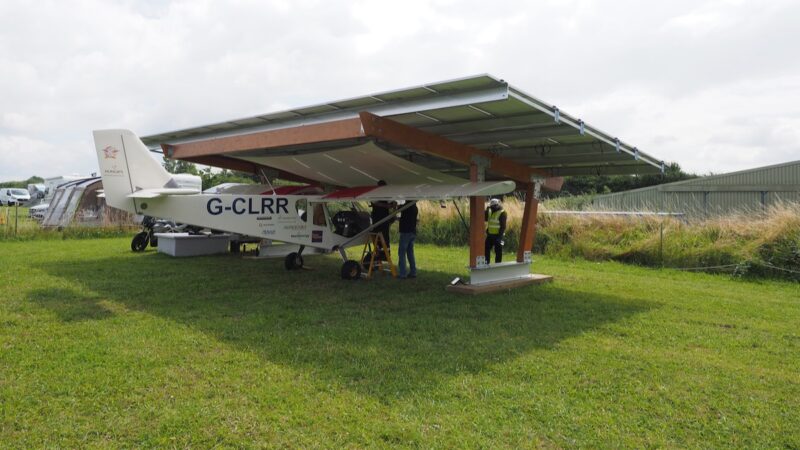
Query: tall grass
pixel 750 242
pixel 758 243
pixel 22 228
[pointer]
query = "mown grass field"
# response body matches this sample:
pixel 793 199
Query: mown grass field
pixel 101 347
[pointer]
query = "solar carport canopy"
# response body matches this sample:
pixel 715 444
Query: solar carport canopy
pixel 481 113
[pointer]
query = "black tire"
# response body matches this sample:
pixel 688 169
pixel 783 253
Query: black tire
pixel 351 270
pixel 139 242
pixel 293 261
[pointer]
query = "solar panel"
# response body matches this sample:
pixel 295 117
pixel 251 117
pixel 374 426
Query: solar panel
pixel 481 111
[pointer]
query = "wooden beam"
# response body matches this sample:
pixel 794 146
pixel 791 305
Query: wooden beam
pixel 476 222
pixel 305 134
pixel 397 133
pixel 527 232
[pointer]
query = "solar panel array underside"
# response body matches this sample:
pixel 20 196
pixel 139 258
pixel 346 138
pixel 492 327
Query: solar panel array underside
pixel 480 111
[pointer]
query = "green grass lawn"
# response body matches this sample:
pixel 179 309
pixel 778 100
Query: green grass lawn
pixel 102 347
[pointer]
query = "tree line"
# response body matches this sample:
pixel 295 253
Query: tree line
pixel 22 184
pixel 606 184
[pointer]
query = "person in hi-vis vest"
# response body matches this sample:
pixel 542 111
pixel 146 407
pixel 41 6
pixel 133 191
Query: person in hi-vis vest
pixel 495 230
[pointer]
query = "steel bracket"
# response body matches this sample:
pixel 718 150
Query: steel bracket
pixel 481 163
pixel 537 181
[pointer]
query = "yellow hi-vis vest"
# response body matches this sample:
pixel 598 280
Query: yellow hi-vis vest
pixel 494 222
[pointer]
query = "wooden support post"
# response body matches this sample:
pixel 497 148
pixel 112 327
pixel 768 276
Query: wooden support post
pixel 528 229
pixel 476 222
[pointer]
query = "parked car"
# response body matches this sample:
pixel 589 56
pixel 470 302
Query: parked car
pixel 38 212
pixel 13 196
pixel 37 191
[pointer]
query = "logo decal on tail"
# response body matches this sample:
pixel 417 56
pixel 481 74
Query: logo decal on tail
pixel 110 152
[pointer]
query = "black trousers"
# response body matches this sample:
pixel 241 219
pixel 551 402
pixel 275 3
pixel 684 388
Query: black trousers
pixel 493 240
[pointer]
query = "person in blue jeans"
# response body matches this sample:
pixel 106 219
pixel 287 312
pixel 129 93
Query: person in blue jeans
pixel 408 232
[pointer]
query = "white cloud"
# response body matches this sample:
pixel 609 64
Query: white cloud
pixel 706 83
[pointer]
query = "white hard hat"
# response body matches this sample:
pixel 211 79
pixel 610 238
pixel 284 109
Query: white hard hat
pixel 494 201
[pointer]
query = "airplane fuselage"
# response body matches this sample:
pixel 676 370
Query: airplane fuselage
pixel 296 219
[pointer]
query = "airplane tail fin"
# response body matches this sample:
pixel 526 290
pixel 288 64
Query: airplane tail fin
pixel 127 166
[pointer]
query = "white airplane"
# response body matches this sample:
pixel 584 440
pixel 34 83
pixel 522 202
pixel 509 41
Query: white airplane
pixel 134 181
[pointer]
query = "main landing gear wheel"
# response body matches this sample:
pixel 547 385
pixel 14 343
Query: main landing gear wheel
pixel 139 242
pixel 293 261
pixel 351 270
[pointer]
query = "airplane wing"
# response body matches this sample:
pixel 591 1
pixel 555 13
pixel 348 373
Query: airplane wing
pixel 153 193
pixel 421 191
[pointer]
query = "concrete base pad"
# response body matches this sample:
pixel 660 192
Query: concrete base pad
pixel 486 288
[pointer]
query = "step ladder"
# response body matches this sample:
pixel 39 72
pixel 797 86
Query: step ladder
pixel 371 260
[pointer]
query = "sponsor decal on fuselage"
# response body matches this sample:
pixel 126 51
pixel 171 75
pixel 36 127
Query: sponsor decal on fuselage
pixel 248 206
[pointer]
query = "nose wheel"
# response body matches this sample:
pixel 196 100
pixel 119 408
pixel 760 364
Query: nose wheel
pixel 140 241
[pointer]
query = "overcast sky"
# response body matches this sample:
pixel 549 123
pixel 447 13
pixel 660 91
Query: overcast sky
pixel 713 85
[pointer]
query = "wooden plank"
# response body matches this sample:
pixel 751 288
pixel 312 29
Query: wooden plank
pixel 282 137
pixel 528 228
pixel 476 222
pixel 499 286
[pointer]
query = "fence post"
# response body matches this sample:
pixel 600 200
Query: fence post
pixel 661 244
pixel 16 217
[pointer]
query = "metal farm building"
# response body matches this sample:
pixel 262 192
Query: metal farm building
pixel 752 189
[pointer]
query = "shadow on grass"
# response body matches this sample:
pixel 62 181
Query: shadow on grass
pixel 69 305
pixel 382 337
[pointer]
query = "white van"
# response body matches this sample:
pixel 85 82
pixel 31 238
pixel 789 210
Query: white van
pixel 13 196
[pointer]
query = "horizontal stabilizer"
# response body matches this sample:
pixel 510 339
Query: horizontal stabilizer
pixel 421 191
pixel 153 193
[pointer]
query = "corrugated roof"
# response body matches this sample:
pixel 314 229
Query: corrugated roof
pixel 783 177
pixel 482 111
